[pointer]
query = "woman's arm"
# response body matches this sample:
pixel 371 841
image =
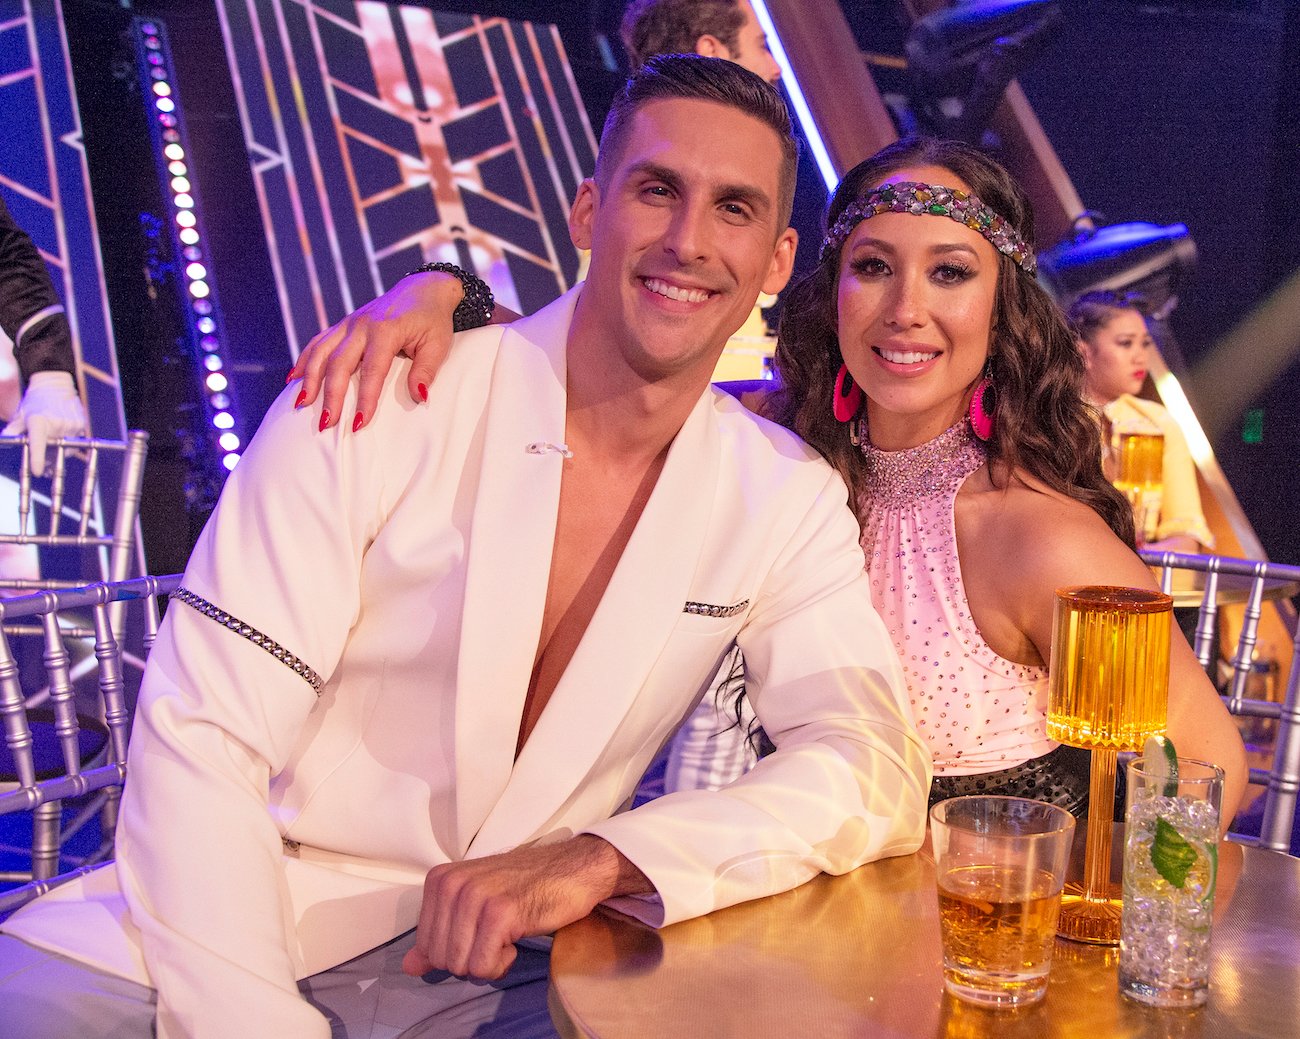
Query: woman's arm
pixel 412 318
pixel 1036 542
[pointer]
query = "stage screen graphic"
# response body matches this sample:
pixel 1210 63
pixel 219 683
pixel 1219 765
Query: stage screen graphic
pixel 383 136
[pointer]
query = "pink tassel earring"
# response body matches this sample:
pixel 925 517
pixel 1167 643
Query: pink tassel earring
pixel 848 396
pixel 983 404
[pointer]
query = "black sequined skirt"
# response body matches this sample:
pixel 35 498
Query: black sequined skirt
pixel 1059 777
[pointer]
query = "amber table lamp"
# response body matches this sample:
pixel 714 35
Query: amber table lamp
pixel 1109 692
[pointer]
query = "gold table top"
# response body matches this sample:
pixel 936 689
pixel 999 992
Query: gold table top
pixel 859 956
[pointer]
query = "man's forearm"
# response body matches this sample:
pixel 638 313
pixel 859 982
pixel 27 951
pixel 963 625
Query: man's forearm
pixel 604 869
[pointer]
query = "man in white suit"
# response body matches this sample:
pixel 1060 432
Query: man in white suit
pixel 416 672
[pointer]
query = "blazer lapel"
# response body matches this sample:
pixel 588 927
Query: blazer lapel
pixel 629 629
pixel 509 557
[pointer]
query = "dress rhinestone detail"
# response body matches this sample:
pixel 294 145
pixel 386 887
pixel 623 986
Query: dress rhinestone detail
pixel 936 467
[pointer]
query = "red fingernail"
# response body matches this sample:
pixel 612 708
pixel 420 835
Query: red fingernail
pixel 356 422
pixel 289 378
pixel 302 399
pixel 324 420
pixel 423 391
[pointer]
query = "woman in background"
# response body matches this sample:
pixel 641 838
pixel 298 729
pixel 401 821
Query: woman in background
pixel 1113 337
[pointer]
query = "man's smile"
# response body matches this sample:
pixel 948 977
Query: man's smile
pixel 679 293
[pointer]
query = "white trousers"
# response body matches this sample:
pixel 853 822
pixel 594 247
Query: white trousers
pixel 46 996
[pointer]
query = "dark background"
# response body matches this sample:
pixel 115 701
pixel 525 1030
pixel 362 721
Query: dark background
pixel 1182 112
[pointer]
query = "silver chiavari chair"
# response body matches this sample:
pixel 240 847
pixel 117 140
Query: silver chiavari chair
pixel 43 747
pixel 80 515
pixel 75 524
pixel 1282 779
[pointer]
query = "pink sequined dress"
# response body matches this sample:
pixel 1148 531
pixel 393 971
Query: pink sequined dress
pixel 977 711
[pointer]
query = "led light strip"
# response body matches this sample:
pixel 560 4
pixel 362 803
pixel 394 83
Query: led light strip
pixel 797 99
pixel 172 152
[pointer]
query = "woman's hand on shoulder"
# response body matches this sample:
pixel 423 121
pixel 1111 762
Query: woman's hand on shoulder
pixel 413 318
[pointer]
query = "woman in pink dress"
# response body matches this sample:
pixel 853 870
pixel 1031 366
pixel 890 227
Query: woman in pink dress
pixel 976 467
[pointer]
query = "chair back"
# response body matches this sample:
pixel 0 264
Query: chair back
pixel 41 774
pixel 81 514
pixel 1251 581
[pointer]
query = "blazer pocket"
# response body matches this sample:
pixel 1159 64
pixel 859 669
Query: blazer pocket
pixel 704 609
pixel 700 617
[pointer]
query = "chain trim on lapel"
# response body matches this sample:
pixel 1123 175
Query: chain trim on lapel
pixel 703 609
pixel 254 636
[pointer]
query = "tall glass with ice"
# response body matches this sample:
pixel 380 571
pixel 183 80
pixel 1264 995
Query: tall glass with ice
pixel 1170 861
pixel 1001 864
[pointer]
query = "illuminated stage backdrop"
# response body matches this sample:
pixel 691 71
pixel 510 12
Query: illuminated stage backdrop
pixel 381 136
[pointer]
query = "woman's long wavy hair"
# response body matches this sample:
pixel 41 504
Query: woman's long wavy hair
pixel 1042 426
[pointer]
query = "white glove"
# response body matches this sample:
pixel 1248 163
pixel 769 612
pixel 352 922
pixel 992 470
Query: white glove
pixel 49 409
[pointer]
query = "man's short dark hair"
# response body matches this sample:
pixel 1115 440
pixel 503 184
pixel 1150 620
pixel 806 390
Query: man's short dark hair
pixel 694 78
pixel 653 27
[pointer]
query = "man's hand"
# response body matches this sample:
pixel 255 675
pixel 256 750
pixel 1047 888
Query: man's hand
pixel 412 318
pixel 50 409
pixel 474 911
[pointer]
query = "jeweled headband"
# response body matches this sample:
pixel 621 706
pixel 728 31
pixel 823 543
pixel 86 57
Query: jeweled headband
pixel 909 196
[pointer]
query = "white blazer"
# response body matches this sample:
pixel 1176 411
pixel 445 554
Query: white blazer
pixel 268 834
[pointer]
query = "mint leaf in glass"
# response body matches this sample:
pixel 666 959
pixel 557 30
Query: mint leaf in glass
pixel 1171 854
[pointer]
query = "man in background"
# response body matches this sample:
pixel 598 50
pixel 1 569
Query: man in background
pixel 32 317
pixel 714 28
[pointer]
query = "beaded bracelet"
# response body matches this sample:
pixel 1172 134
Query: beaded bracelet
pixel 475 309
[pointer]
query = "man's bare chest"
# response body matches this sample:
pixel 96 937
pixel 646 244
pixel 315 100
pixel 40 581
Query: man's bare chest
pixel 598 513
